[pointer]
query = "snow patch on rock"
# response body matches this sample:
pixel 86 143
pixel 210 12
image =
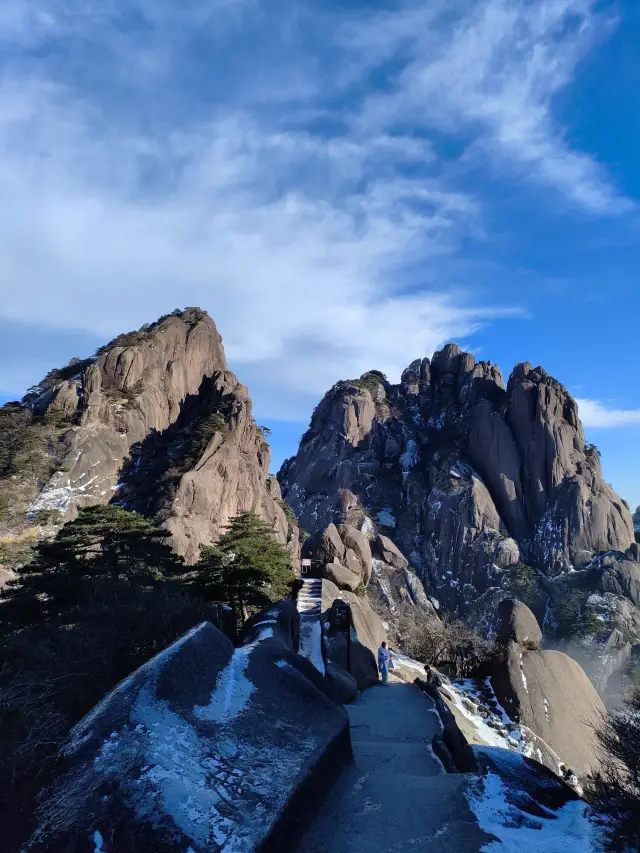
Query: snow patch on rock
pixel 368 528
pixel 311 641
pixel 409 458
pixel 522 675
pixel 386 518
pixel 98 841
pixel 515 830
pixel 495 728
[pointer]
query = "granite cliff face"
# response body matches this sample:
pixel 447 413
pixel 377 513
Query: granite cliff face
pixel 488 491
pixel 157 423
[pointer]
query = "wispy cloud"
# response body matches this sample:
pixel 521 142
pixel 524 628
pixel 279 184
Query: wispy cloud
pixel 282 169
pixel 596 414
pixel 492 69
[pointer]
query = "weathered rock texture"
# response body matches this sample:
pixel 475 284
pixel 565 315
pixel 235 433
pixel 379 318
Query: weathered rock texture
pixel 158 423
pixel 203 748
pixel 518 625
pixel 482 491
pixel 367 634
pixel 355 559
pixel 548 692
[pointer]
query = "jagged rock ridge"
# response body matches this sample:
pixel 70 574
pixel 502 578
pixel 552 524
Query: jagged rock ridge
pixel 469 478
pixel 158 423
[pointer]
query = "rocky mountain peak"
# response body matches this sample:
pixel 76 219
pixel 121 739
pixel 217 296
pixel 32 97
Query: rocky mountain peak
pixel 451 361
pixel 470 479
pixel 155 421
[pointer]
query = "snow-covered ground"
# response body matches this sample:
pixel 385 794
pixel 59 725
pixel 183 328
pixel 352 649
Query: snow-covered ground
pixel 310 608
pixel 477 702
pixel 311 641
pixel 505 812
pixel 409 663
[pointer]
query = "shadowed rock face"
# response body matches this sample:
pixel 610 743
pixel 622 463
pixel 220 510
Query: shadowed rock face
pixel 368 632
pixel 466 477
pixel 623 579
pixel 160 425
pixel 178 757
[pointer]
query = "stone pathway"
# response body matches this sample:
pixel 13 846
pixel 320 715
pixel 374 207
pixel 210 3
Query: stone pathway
pixel 310 597
pixel 310 610
pixel 396 797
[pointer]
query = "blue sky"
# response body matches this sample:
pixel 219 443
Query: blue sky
pixel 342 185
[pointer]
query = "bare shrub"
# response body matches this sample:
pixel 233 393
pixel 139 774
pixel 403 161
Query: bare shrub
pixel 615 791
pixel 439 642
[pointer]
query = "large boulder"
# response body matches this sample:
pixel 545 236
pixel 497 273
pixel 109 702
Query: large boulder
pixel 549 692
pixel 366 622
pixel 367 635
pixel 517 623
pixel 390 552
pixel 178 756
pixel 282 620
pixel 342 577
pixel 325 546
pixel 361 665
pixel 359 544
pixel 352 562
pixel 507 553
pixel 343 686
pixel 533 796
pixel 623 579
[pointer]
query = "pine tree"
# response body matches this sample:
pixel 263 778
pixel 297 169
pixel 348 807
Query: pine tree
pixel 247 569
pixel 103 544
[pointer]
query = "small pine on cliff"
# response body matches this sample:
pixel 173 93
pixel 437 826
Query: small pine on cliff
pixel 247 569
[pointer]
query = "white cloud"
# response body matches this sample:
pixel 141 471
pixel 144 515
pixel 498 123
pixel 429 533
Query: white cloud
pixel 301 287
pixel 494 69
pixel 256 175
pixel 596 414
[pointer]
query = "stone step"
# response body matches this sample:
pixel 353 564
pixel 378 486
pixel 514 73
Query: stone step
pixel 310 597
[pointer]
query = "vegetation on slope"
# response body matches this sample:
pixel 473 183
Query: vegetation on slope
pixel 442 642
pixel 95 603
pixel 615 792
pixel 247 569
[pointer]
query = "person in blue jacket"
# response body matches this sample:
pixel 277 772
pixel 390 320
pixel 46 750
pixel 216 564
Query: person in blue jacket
pixel 384 662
